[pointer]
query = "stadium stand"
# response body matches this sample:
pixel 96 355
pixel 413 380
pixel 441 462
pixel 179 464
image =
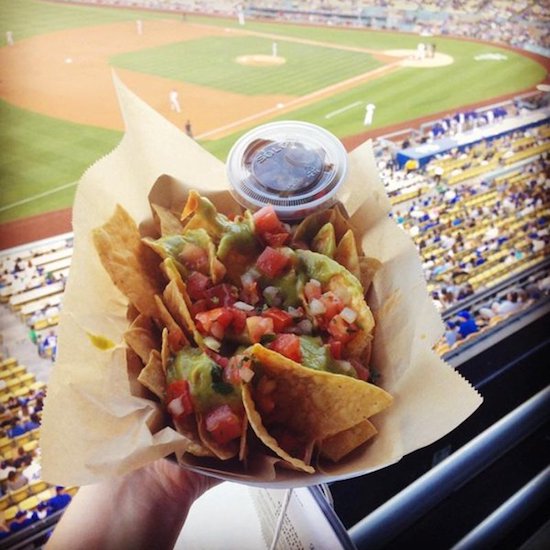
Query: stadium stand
pixel 475 201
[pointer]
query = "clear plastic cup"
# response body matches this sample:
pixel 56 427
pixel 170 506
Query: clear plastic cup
pixel 296 167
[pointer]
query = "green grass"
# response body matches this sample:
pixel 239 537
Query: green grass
pixel 26 18
pixel 211 62
pixel 40 154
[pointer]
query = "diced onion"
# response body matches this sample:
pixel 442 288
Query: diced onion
pixel 175 407
pixel 349 315
pixel 295 312
pixel 243 306
pixel 246 374
pixel 212 343
pixel 272 295
pixel 317 307
pixel 315 282
pixel 305 326
pixel 249 277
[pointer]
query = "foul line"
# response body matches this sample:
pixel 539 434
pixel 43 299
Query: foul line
pixel 343 109
pixel 39 196
pixel 303 99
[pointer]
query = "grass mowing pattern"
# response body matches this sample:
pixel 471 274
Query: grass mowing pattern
pixel 211 62
pixel 40 153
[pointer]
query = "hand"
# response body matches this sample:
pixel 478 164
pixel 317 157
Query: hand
pixel 143 509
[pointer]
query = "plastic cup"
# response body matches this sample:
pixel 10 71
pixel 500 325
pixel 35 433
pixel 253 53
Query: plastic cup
pixel 294 166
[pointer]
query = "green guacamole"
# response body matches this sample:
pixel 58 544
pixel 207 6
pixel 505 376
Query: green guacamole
pixel 208 389
pixel 316 355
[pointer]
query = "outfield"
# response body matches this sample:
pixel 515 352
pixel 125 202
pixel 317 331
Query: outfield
pixel 59 111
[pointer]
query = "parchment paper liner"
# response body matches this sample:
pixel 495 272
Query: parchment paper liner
pixel 94 428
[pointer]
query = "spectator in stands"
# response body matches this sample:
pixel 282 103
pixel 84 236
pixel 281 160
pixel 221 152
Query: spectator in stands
pixel 15 481
pixel 33 423
pixel 467 324
pixel 451 333
pixel 60 500
pixel 144 509
pixel 22 520
pixel 16 429
pixel 6 467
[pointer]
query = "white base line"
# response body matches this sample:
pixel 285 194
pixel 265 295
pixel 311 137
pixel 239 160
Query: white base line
pixel 343 109
pixel 39 196
pixel 302 99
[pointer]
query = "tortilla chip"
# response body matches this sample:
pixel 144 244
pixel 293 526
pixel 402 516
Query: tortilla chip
pixel 168 222
pixel 143 337
pixel 223 452
pixel 324 241
pixel 200 213
pixel 338 446
pixel 346 254
pixel 255 420
pixel 152 375
pixel 132 267
pixel 309 227
pixel 171 271
pixel 176 336
pixel 313 404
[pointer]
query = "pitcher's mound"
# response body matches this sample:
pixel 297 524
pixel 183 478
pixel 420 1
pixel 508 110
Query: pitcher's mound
pixel 260 60
pixel 410 59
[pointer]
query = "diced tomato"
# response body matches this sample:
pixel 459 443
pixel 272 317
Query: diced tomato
pixel 335 347
pixel 224 424
pixel 222 295
pixel 287 345
pixel 332 303
pixel 312 290
pixel 276 239
pixel 341 330
pixel 220 315
pixel 194 257
pixel 197 283
pixel 198 306
pixel 281 319
pixel 267 221
pixel 363 373
pixel 272 262
pixel 258 326
pixel 238 323
pixel 178 399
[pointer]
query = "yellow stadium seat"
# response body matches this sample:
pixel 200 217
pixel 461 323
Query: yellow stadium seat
pixel 20 494
pixel 71 490
pixel 38 486
pixel 29 503
pixel 9 513
pixel 4 502
pixel 30 446
pixel 46 494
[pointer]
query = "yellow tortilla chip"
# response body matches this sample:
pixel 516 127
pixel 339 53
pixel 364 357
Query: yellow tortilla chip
pixel 132 267
pixel 142 337
pixel 313 404
pixel 324 241
pixel 346 254
pixel 152 375
pixel 176 336
pixel 168 222
pixel 341 444
pixel 309 227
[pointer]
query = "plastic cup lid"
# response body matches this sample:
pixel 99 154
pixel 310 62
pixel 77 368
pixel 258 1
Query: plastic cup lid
pixel 296 167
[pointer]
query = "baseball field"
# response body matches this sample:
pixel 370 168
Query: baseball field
pixel 59 111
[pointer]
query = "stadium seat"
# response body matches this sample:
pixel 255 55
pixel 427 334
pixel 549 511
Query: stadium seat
pixel 38 486
pixel 20 494
pixel 4 502
pixel 29 503
pixel 10 512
